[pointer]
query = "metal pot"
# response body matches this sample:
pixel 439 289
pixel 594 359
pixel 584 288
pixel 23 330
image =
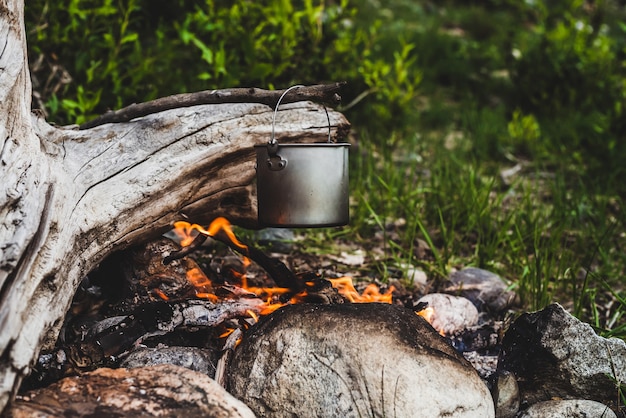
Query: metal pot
pixel 302 185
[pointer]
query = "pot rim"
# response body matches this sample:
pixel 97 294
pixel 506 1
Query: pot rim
pixel 312 144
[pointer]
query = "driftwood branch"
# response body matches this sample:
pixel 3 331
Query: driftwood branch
pixel 326 94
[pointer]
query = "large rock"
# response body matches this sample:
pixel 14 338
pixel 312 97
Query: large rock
pixel 154 391
pixel 505 394
pixel 571 408
pixel 353 360
pixel 555 356
pixel 201 360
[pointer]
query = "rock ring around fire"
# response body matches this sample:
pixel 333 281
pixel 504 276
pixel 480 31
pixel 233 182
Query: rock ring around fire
pixel 353 360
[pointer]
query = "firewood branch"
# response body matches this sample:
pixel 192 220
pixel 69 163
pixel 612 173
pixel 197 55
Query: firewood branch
pixel 326 94
pixel 276 269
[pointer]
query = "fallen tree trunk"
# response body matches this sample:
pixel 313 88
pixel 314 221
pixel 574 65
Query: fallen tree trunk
pixel 69 197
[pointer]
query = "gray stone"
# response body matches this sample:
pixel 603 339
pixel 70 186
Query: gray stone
pixel 485 289
pixel 506 395
pixel 353 360
pixel 450 314
pixel 193 358
pixel 279 240
pixel 571 408
pixel 554 355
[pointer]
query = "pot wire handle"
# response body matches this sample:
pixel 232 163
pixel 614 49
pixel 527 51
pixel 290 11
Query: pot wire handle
pixel 328 119
pixel 273 142
pixel 273 138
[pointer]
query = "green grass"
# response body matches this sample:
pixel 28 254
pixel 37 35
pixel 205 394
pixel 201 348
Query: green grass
pixel 550 237
pixel 555 230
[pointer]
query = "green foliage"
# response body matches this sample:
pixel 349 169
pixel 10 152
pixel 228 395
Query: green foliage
pixel 524 132
pixel 578 90
pixel 117 53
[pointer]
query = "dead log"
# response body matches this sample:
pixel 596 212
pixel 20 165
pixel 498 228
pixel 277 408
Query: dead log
pixel 70 197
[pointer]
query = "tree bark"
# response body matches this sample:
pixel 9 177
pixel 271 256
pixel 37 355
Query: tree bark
pixel 70 197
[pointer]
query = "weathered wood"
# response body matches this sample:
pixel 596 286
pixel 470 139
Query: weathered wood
pixel 159 391
pixel 70 197
pixel 322 93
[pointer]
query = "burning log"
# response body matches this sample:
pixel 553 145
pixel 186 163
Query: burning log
pixel 277 270
pixel 71 197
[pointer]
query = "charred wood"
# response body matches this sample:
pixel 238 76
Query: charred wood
pixel 195 244
pixel 114 337
pixel 486 338
pixel 275 268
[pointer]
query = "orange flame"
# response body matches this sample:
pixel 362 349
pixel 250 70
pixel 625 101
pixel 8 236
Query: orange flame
pixel 227 332
pixel 428 313
pixel 253 315
pixel 202 284
pixel 185 231
pixel 346 288
pixel 160 294
pixel 204 288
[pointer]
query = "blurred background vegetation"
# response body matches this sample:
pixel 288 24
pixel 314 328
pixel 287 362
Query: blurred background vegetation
pixel 493 130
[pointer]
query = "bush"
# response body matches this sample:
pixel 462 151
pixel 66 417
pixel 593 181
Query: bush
pixel 91 56
pixel 569 73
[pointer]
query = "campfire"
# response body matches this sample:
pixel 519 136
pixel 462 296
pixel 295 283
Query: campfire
pixel 175 281
pixel 273 297
pixel 201 291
